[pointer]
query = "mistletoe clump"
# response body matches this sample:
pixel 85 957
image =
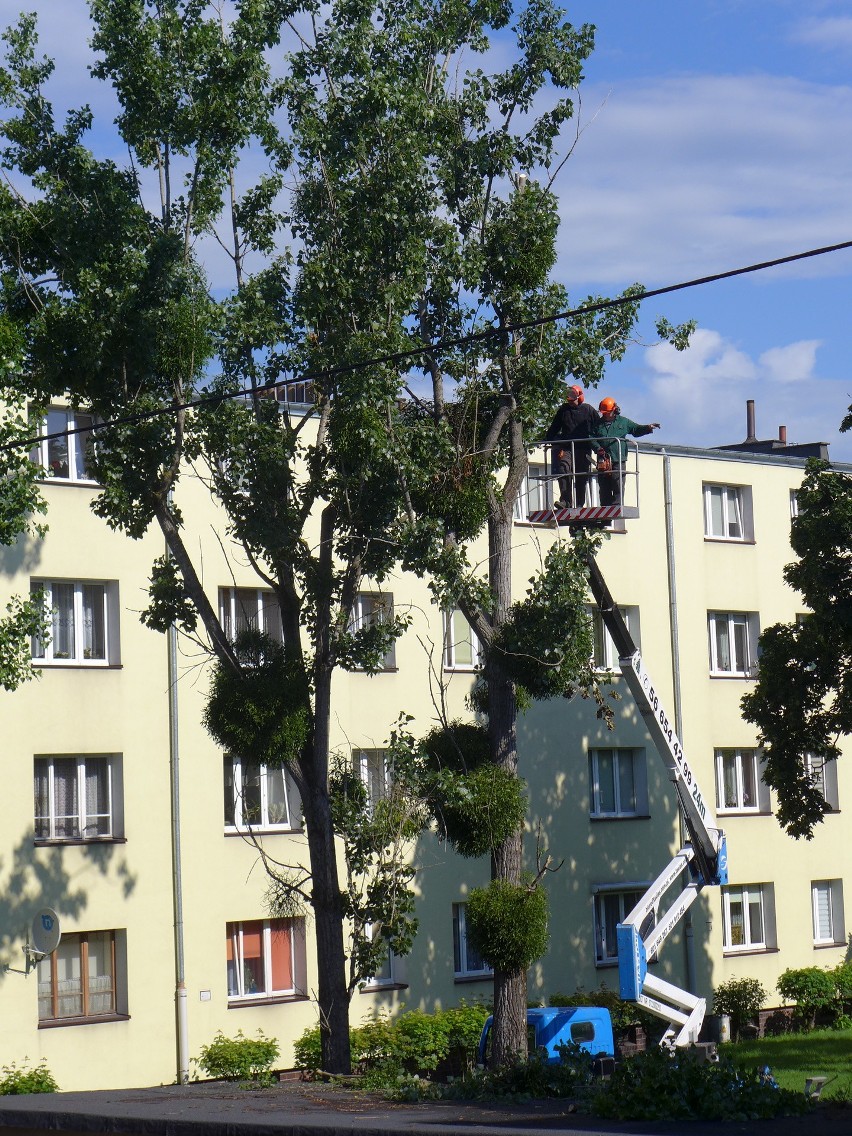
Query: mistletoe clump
pixel 507 923
pixel 476 804
pixel 259 710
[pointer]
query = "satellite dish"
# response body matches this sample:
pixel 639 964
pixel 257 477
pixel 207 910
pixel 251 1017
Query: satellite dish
pixel 45 931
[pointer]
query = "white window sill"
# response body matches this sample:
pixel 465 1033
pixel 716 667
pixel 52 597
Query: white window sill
pixel 478 976
pixel 728 539
pixel 734 812
pixel 619 816
pixel 264 830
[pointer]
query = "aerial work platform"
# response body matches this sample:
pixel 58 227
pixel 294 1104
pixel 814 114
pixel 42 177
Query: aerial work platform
pixel 620 487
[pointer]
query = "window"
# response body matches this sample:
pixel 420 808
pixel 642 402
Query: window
pixel 392 972
pixel 78 797
pixel 605 655
pixel 241 609
pixel 728 512
pixel 467 962
pixel 733 643
pixel 66 457
pixel 824 778
pixel 739 787
pixel 536 491
pixel 618 784
pixel 748 917
pixel 794 504
pixel 370 609
pixel 461 646
pixel 83 622
pixel 827 906
pixel 85 977
pixel 371 766
pixel 259 797
pixel 265 959
pixel 611 908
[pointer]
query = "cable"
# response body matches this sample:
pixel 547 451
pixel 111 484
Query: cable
pixel 437 347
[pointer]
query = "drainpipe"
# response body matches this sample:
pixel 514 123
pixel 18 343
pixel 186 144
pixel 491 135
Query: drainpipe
pixel 181 1008
pixel 688 930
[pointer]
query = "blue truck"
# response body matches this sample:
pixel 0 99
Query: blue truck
pixel 548 1027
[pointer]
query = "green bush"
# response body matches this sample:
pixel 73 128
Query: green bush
pixel 384 1051
pixel 507 924
pixel 742 999
pixel 842 975
pixel 240 1058
pixel 810 988
pixel 659 1085
pixel 15 1081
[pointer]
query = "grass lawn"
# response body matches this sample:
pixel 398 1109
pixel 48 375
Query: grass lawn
pixel 794 1057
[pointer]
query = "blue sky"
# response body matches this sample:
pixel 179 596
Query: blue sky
pixel 715 134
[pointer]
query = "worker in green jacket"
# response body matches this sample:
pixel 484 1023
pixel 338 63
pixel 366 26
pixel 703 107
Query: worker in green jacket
pixel 611 431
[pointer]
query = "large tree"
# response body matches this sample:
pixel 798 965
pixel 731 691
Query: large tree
pixel 802 700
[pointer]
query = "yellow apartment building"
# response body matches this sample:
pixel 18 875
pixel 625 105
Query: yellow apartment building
pixel 123 816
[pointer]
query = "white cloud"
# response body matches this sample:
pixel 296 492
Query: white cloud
pixel 832 33
pixel 685 176
pixel 699 395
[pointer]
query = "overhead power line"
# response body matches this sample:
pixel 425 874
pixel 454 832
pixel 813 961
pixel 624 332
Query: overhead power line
pixel 436 347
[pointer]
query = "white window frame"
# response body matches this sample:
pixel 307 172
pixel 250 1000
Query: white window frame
pixel 605 653
pixel 234 932
pixel 747 894
pixel 794 504
pixel 457 630
pixel 259 606
pixel 827 896
pixel 743 623
pixel 372 767
pixel 619 757
pixel 234 783
pixel 536 491
pixel 742 759
pixel 84 820
pixel 393 971
pixel 106 607
pixel 625 899
pixel 734 513
pixel 75 445
pixel 371 608
pixel 823 776
pixel 466 962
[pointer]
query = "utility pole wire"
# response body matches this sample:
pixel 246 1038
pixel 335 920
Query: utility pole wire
pixel 439 345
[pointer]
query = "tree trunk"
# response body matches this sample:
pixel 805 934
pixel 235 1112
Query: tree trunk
pixel 332 998
pixel 509 1033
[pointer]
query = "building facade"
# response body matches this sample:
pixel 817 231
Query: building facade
pixel 124 817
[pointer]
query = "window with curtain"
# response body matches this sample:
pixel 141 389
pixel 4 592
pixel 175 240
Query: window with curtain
pixel 77 797
pixel 372 767
pixel 611 908
pixel 467 961
pixel 828 916
pixel 79 624
pixel 78 981
pixel 67 456
pixel 617 783
pixel 261 959
pixel 536 491
pixel 725 512
pixel 461 646
pixel 733 643
pixel 605 656
pixel 259 797
pixel 746 912
pixel 739 787
pixel 370 609
pixel 244 609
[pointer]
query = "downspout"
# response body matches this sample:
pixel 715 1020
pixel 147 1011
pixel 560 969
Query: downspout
pixel 688 930
pixel 182 1015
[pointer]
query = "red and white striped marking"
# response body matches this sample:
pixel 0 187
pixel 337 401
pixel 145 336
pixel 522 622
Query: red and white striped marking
pixel 587 513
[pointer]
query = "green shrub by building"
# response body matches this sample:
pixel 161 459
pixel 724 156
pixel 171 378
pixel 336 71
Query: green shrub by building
pixel 240 1058
pixel 16 1080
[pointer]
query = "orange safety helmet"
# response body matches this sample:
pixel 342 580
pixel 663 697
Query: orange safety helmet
pixel 578 390
pixel 608 406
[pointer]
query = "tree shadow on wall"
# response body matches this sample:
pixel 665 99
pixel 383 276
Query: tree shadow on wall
pixel 38 877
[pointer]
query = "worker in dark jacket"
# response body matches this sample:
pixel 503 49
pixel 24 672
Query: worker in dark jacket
pixel 611 430
pixel 575 423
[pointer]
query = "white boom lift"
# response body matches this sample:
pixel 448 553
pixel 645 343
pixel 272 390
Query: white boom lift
pixel 704 852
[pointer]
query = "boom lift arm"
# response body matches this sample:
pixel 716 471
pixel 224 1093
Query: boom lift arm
pixel 703 855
